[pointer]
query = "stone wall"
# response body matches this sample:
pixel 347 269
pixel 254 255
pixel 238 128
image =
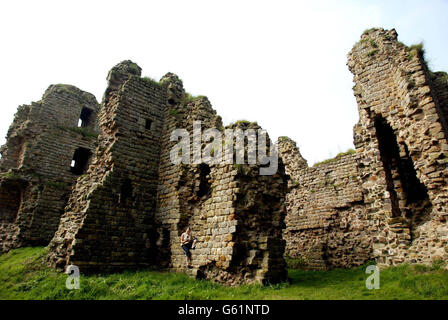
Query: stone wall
pixel 236 214
pixel 131 207
pixel 36 174
pixel 127 203
pixel 402 138
pixel 389 200
pixel 109 220
pixel 327 224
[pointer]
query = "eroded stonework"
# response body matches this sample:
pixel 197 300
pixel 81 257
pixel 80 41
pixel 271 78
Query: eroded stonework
pixel 36 172
pixel 99 181
pixel 133 203
pixel 389 200
pixel 327 225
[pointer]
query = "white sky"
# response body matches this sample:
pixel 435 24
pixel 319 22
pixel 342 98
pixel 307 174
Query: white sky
pixel 281 63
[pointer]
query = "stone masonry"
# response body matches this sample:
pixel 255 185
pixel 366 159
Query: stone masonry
pixel 96 183
pixel 402 139
pixel 327 224
pixel 36 172
pixel 132 205
pixel 388 201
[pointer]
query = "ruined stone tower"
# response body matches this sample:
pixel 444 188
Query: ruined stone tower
pixel 49 145
pixel 100 183
pixel 387 201
pixel 133 203
pixel 402 139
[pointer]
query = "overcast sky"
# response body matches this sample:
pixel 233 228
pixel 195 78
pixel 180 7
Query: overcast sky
pixel 281 63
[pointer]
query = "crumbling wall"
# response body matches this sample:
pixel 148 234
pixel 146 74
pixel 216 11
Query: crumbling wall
pixel 236 215
pixel 401 137
pixel 36 173
pixel 327 224
pixel 439 85
pixel 109 220
pixel 389 200
pixel 131 207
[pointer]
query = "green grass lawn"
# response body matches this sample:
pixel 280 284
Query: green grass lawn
pixel 23 275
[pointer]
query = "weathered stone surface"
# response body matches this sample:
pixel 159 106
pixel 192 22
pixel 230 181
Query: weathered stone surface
pixel 131 207
pixel 326 224
pixel 389 200
pixel 36 174
pixel 401 136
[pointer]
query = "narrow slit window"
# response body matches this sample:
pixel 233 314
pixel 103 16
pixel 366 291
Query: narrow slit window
pixel 126 192
pixel 148 124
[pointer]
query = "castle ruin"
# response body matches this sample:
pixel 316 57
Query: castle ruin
pixel 95 182
pixel 389 200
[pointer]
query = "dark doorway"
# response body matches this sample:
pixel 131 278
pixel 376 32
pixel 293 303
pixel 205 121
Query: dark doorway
pixel 10 202
pixel 409 197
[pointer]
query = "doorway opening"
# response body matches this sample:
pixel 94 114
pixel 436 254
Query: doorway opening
pixel 409 197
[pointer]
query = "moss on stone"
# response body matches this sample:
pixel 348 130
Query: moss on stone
pixel 338 156
pixel 173 112
pixel 10 175
pixel 372 53
pixel 242 123
pixel 134 68
pixel 414 50
pixel 284 139
pixel 367 31
pixel 151 81
pixel 188 98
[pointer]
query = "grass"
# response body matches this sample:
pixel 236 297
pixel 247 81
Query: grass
pixel 338 156
pixel 151 81
pixel 173 112
pixel 188 98
pixel 440 76
pixel 369 30
pixel 23 275
pixel 239 167
pixel 243 123
pixel 134 68
pixel 284 139
pixel 414 50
